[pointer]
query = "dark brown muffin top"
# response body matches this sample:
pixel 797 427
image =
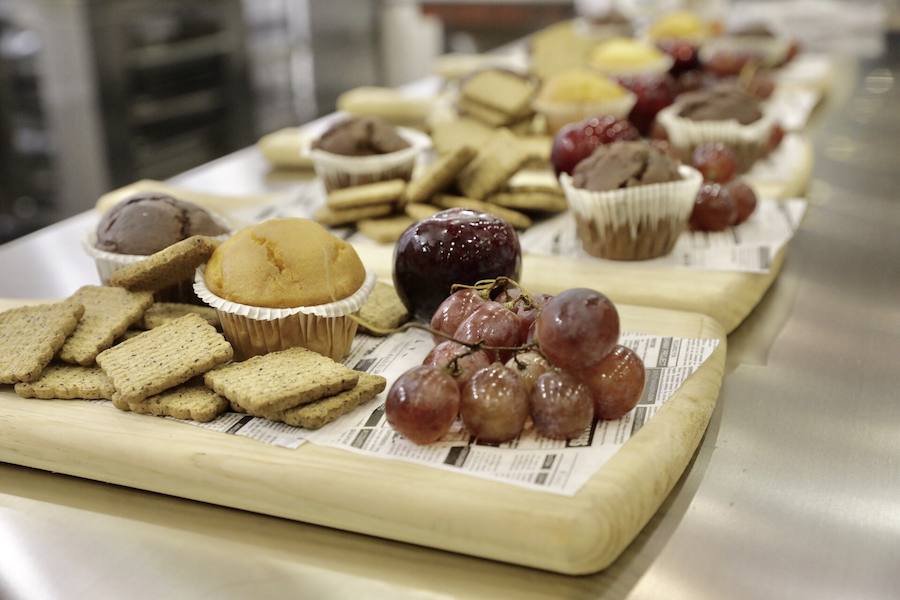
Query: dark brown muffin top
pixel 623 165
pixel 361 136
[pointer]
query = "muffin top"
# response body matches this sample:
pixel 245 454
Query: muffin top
pixel 361 136
pixel 625 164
pixel 581 85
pixel 679 25
pixel 624 53
pixel 149 222
pixel 720 103
pixel 284 263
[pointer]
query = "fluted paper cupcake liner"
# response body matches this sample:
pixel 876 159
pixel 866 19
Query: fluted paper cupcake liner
pixel 771 51
pixel 324 328
pixel 632 216
pixel 559 114
pixel 339 171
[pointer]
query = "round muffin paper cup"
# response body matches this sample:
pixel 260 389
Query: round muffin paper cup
pixel 338 171
pixel 748 141
pixel 771 50
pixel 559 114
pixel 661 65
pixel 633 223
pixel 324 328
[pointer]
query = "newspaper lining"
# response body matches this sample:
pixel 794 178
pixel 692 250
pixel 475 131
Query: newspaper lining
pixel 750 247
pixel 530 461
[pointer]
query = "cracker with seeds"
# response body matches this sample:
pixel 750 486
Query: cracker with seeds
pixel 191 401
pixel 167 267
pixel 108 312
pixel 280 380
pixel 503 91
pixel 130 334
pixel 383 309
pixel 385 231
pixel 419 211
pixel 534 180
pixel 529 201
pixel 30 336
pixel 163 357
pixel 161 313
pixel 513 217
pixel 495 163
pixel 336 218
pixel 448 136
pixel 324 411
pixel 486 114
pixel 369 194
pixel 439 175
pixel 68 382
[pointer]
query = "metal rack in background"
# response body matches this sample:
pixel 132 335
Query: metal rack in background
pixel 131 89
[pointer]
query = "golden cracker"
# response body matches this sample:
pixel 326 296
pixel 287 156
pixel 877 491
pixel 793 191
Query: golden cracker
pixel 336 218
pixel 280 380
pixel 534 180
pixel 419 211
pixel 496 162
pixel 513 217
pixel 383 309
pixel 502 91
pixel 163 357
pixel 381 192
pixel 487 115
pixel 529 201
pixel 439 175
pixel 108 312
pixel 30 336
pixel 385 231
pixel 161 313
pixel 326 410
pixel 192 401
pixel 448 136
pixel 167 267
pixel 68 382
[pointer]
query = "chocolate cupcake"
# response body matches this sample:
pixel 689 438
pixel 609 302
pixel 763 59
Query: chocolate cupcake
pixel 725 113
pixel 631 200
pixel 361 150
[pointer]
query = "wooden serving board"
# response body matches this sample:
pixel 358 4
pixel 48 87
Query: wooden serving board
pixel 727 296
pixel 391 499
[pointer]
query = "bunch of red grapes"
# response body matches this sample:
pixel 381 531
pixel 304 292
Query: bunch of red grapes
pixel 723 201
pixel 503 355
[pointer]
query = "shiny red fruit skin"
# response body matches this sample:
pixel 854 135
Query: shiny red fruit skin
pixel 714 210
pixel 727 64
pixel 775 138
pixel 577 328
pixel 528 315
pixel 654 92
pixel 744 200
pixel 422 404
pixel 444 353
pixel 716 161
pixel 493 324
pixel 494 404
pixel 685 54
pixel 453 311
pixel 576 141
pixel 453 246
pixel 561 405
pixel 616 383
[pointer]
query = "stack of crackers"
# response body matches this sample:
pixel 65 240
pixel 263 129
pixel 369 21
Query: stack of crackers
pixel 499 98
pixel 166 359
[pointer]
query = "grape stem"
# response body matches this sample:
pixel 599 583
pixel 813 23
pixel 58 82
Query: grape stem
pixel 486 287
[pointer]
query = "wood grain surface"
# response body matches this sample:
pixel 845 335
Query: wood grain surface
pixel 391 499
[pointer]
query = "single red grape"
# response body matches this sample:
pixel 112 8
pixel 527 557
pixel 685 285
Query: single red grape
pixel 654 92
pixel 494 405
pixel 422 404
pixel 775 138
pixel 577 328
pixel 561 406
pixel 714 209
pixel 576 141
pixel 727 64
pixel 744 200
pixel 528 315
pixel 528 366
pixel 616 383
pixel 444 353
pixel 684 52
pixel 716 161
pixel 493 324
pixel 454 310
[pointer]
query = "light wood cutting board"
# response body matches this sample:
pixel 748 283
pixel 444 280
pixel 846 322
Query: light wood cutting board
pixel 391 499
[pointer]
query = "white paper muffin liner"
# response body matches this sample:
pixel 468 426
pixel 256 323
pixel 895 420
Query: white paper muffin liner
pixel 252 330
pixel 770 50
pixel 338 171
pixel 662 65
pixel 643 205
pixel 748 140
pixel 559 114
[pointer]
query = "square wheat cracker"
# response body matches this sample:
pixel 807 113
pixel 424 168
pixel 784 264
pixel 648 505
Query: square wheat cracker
pixel 192 401
pixel 383 309
pixel 321 412
pixel 161 313
pixel 167 267
pixel 30 336
pixel 381 192
pixel 68 382
pixel 163 357
pixel 496 161
pixel 439 174
pixel 108 312
pixel 280 380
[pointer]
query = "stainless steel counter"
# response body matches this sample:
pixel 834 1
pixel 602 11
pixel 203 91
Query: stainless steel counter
pixel 794 493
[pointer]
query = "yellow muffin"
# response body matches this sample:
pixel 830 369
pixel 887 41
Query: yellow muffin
pixel 283 263
pixel 581 85
pixel 680 25
pixel 621 55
